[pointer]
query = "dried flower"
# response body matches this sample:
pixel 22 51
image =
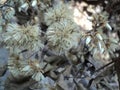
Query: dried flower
pixel 20 67
pixel 23 36
pixel 96 40
pixel 57 13
pixel 15 64
pixel 62 36
pixel 33 68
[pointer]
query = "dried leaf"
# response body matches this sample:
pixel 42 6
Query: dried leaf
pixel 99 36
pixel 88 39
pixel 100 47
pixel 108 26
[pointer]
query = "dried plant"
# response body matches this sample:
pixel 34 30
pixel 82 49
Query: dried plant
pixel 15 63
pixel 62 36
pixel 100 43
pixel 33 68
pixel 57 13
pixel 64 55
pixel 27 36
pixel 97 40
pixel 18 66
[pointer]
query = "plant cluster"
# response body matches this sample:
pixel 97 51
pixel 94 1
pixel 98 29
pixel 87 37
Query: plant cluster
pixel 45 32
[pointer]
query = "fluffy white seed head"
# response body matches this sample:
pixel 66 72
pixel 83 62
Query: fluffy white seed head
pixel 23 36
pixel 62 36
pixel 18 67
pixel 15 63
pixel 57 13
pixel 33 68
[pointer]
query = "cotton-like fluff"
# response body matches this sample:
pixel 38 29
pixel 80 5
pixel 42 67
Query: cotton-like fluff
pixel 20 68
pixel 62 36
pixel 34 68
pixel 23 36
pixel 57 13
pixel 15 63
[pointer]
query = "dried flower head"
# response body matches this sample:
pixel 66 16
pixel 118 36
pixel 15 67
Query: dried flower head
pixel 62 36
pixel 33 68
pixel 18 66
pixel 15 64
pixel 23 36
pixel 57 13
